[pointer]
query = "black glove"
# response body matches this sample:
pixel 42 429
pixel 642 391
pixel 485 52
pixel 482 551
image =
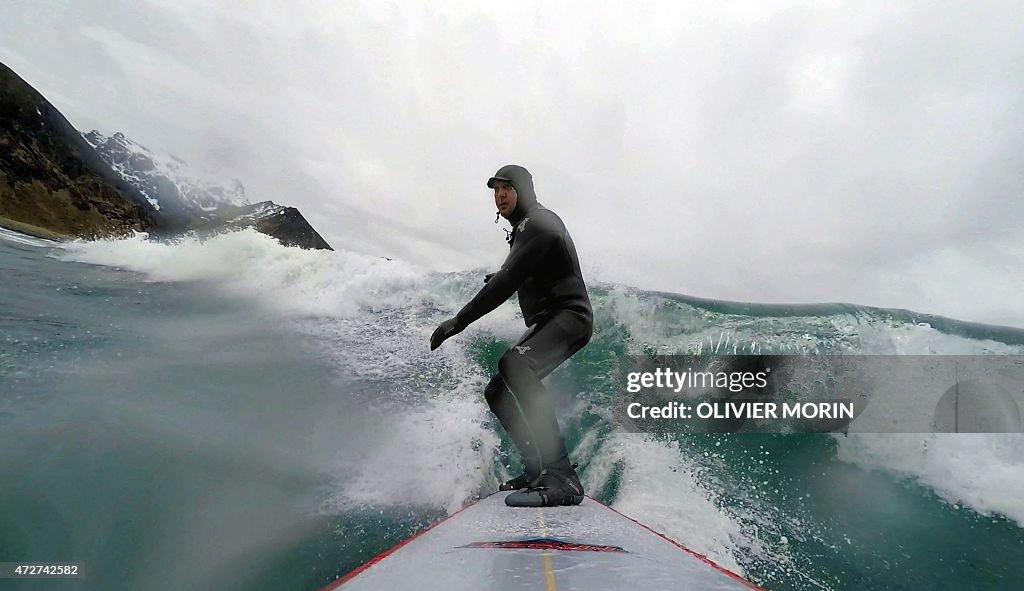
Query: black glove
pixel 448 328
pixel 487 277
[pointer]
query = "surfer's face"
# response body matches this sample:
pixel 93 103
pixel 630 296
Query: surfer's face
pixel 505 198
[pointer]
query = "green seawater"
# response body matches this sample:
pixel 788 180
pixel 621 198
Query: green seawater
pixel 175 434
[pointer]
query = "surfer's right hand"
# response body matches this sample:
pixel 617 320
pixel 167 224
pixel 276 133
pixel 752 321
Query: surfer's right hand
pixel 487 277
pixel 448 328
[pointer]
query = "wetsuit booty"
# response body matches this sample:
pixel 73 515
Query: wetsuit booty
pixel 521 481
pixel 552 488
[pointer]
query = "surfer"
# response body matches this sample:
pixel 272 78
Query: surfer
pixel 543 268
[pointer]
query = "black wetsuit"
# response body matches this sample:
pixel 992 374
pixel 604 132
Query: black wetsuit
pixel 543 268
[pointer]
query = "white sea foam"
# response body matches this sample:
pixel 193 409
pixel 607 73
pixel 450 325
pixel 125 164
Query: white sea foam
pixel 374 317
pixel 250 264
pixel 436 454
pixel 25 239
pixel 658 488
pixel 984 471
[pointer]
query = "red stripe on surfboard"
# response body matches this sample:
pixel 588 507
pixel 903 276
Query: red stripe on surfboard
pixel 697 555
pixel 351 574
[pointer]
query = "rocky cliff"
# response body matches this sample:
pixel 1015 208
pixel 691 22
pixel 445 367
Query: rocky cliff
pixel 51 177
pixel 56 182
pixel 284 223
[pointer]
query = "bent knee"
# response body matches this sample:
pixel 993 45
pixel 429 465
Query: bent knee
pixel 514 362
pixel 495 389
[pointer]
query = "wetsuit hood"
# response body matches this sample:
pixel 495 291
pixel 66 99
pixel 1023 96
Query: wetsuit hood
pixel 522 180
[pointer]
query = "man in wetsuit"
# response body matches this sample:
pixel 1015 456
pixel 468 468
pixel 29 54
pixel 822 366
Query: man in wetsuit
pixel 542 266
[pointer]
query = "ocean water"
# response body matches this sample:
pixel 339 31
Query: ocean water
pixel 232 414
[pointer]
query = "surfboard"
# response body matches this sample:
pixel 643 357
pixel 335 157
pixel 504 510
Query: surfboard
pixel 589 547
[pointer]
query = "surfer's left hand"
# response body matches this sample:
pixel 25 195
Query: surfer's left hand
pixel 448 328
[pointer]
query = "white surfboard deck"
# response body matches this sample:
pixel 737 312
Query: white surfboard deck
pixel 589 547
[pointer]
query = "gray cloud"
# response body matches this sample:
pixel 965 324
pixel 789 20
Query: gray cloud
pixel 867 152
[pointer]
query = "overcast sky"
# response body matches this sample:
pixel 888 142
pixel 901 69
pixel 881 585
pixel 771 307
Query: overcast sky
pixel 864 152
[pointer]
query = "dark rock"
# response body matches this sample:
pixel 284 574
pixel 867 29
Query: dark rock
pixel 56 180
pixel 284 223
pixel 51 177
